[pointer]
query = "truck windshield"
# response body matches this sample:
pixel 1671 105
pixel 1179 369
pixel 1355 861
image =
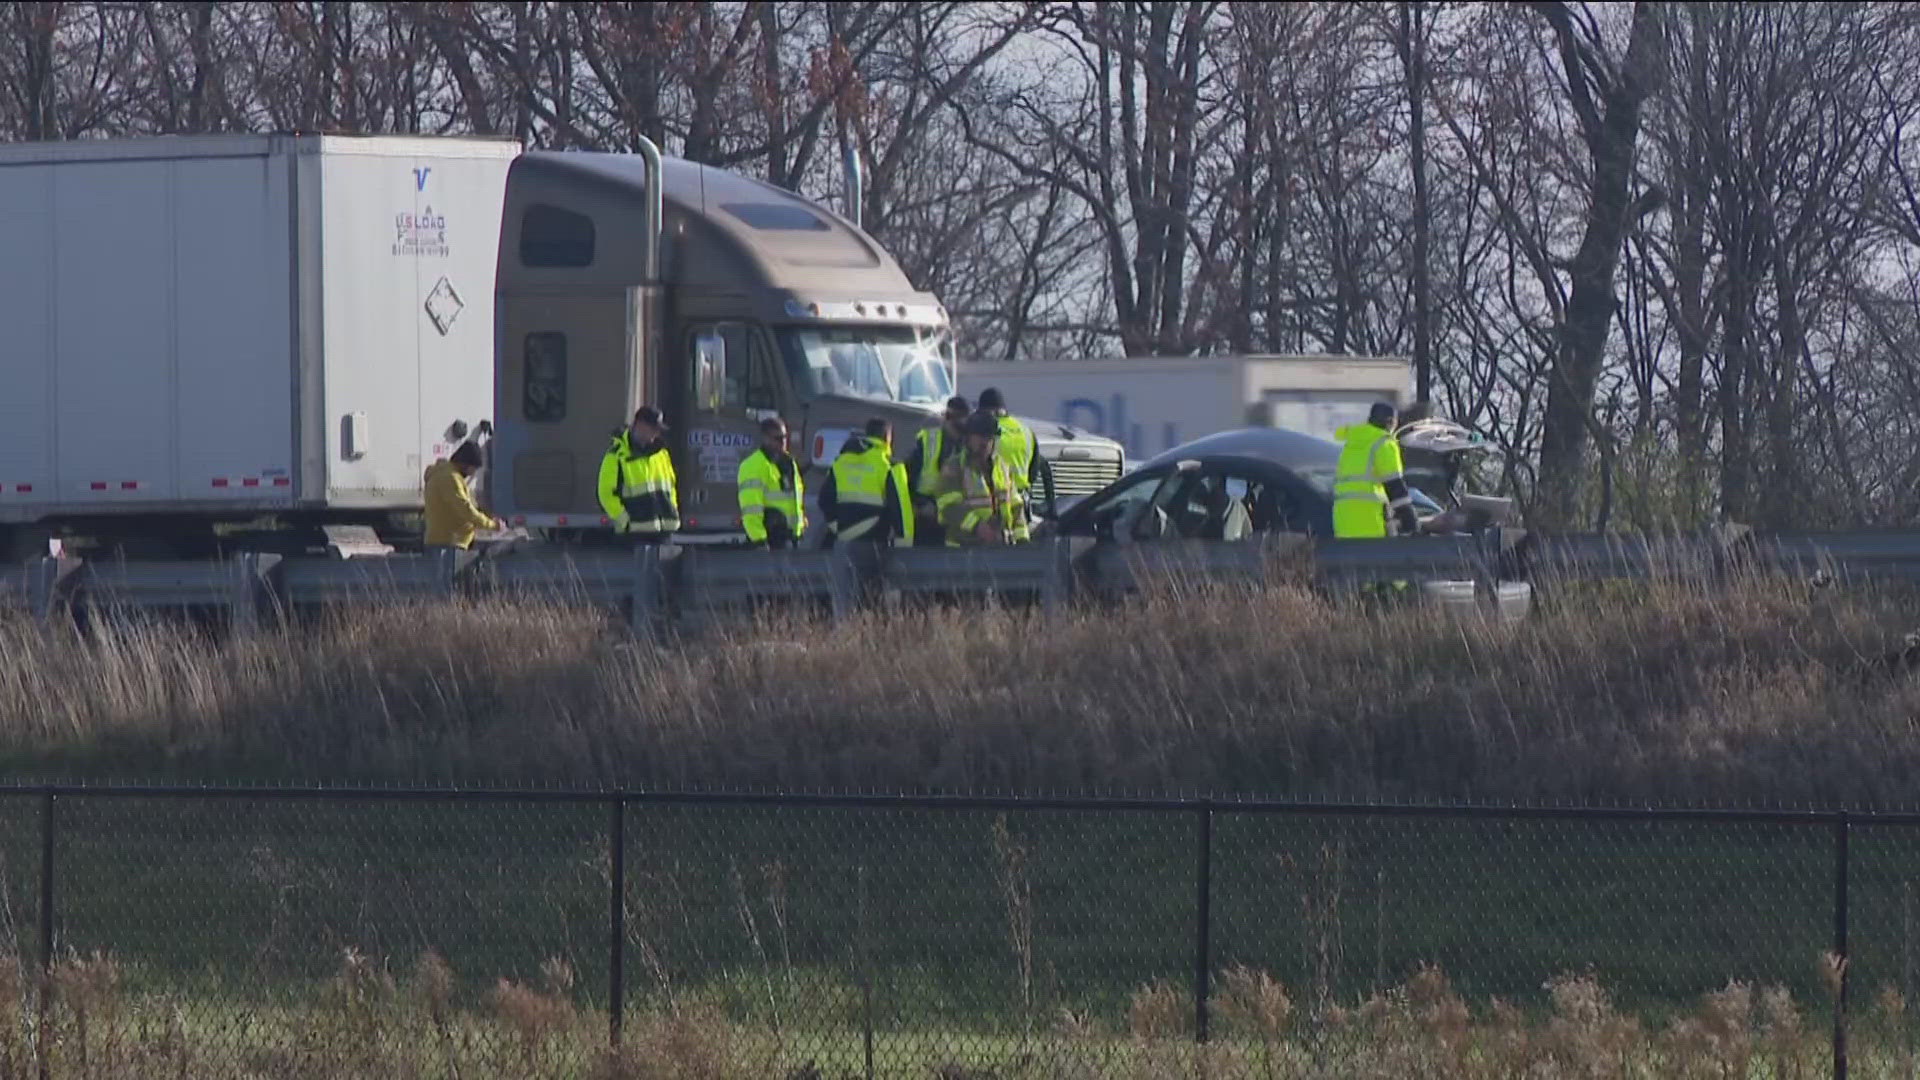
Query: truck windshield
pixel 907 364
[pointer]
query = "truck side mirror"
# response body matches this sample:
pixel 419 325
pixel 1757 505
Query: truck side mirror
pixel 710 365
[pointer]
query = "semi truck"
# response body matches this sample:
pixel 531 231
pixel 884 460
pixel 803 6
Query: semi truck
pixel 263 337
pixel 1151 404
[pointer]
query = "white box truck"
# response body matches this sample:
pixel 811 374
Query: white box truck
pixel 217 326
pixel 1152 404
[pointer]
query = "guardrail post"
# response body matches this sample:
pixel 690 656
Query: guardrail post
pixel 250 589
pixel 243 613
pixel 1732 545
pixel 856 570
pixel 617 922
pixel 651 596
pixel 845 594
pixel 1486 574
pixel 1841 830
pixel 446 569
pixel 1057 588
pixel 43 585
pixel 1203 925
pixel 646 598
pixel 40 588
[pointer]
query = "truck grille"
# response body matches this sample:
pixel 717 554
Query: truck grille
pixel 1083 477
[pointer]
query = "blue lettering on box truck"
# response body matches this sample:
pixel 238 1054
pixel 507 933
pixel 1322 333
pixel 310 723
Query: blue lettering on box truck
pixel 1111 420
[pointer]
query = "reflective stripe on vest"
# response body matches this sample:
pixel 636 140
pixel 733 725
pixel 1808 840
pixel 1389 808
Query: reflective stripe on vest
pixel 1365 486
pixel 1016 450
pixel 983 498
pixel 860 491
pixel 933 443
pixel 764 486
pixel 647 486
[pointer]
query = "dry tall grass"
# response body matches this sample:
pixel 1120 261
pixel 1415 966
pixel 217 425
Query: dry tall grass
pixel 365 1022
pixel 1671 694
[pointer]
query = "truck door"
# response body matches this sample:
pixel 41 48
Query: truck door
pixel 734 389
pixel 568 378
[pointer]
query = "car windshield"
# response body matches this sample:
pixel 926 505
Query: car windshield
pixel 908 364
pixel 1318 477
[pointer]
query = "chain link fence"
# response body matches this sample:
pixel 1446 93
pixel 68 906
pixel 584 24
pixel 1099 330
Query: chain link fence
pixel 215 933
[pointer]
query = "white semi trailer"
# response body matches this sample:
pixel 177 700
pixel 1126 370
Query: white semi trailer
pixel 211 329
pixel 284 330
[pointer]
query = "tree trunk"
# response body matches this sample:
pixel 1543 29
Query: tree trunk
pixel 1736 367
pixel 1413 60
pixel 774 96
pixel 1612 128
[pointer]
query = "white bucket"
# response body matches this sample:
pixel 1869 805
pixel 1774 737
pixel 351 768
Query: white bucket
pixel 1513 599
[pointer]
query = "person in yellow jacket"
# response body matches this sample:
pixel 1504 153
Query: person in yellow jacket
pixel 1368 482
pixel 865 494
pixel 638 488
pixel 452 516
pixel 772 493
pixel 933 448
pixel 979 502
pixel 1019 449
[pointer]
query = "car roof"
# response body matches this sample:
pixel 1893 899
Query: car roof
pixel 1289 449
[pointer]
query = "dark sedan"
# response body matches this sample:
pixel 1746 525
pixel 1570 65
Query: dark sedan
pixel 1222 487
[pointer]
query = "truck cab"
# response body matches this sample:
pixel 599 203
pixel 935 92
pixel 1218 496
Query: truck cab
pixel 626 279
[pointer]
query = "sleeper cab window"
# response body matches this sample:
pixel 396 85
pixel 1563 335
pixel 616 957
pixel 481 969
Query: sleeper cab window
pixel 550 236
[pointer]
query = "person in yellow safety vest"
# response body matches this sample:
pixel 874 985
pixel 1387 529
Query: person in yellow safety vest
pixel 772 493
pixel 452 517
pixel 865 494
pixel 1019 449
pixel 638 487
pixel 932 449
pixel 979 502
pixel 1368 484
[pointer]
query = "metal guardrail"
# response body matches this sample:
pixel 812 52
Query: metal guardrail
pixel 656 585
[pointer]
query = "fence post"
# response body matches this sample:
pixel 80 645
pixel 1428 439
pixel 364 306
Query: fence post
pixel 866 973
pixel 44 1041
pixel 1841 831
pixel 46 881
pixel 617 922
pixel 1203 936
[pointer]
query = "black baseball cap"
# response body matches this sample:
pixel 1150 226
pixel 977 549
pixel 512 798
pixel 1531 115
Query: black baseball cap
pixel 647 414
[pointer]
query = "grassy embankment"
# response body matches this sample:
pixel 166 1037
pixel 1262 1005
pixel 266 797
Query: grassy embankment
pixel 1674 694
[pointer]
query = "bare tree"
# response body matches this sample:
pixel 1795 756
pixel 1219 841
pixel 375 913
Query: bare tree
pixel 1669 253
pixel 1606 95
